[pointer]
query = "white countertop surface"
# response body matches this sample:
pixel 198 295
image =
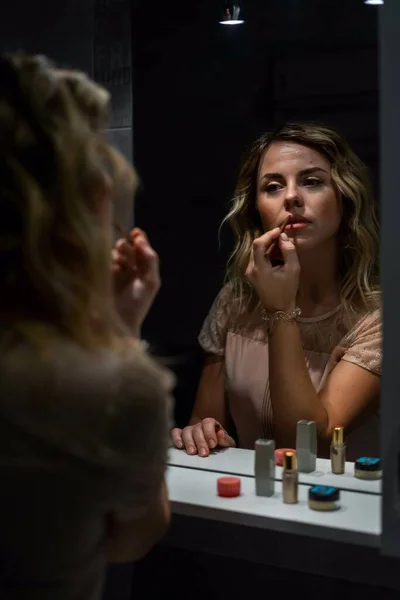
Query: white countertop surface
pixel 193 493
pixel 240 462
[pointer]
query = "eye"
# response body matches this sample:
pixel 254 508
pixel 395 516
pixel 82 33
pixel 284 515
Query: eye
pixel 273 188
pixel 313 182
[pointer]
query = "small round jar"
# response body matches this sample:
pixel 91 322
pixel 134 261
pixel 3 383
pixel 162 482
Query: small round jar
pixel 228 487
pixel 324 498
pixel 366 467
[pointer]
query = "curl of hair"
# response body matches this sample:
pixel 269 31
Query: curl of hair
pixel 55 168
pixel 359 230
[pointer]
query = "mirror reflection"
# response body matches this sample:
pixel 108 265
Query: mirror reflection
pixel 295 333
pixel 293 88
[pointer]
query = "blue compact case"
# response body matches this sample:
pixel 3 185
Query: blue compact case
pixel 365 463
pixel 324 493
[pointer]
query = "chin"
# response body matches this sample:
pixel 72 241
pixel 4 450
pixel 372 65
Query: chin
pixel 306 244
pixel 310 243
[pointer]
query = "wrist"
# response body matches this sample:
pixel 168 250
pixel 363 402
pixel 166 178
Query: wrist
pixel 279 316
pixel 131 323
pixel 134 329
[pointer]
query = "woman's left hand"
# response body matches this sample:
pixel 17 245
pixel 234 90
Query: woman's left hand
pixel 135 267
pixel 276 286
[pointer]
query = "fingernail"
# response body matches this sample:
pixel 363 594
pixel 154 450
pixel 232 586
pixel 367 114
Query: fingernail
pixel 212 443
pixel 179 444
pixel 191 450
pixel 203 452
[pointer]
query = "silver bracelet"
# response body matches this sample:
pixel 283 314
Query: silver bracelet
pixel 279 315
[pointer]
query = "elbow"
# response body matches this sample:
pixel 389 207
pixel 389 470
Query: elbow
pixel 135 549
pixel 326 431
pixel 131 541
pixel 325 428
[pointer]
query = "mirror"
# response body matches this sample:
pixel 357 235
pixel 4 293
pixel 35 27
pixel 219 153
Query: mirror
pixel 203 94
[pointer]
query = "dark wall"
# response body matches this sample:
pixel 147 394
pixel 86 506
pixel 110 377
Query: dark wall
pixel 62 30
pixel 203 91
pixel 112 67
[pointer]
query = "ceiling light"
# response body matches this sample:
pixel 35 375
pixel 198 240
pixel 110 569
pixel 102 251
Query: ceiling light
pixel 231 13
pixel 374 2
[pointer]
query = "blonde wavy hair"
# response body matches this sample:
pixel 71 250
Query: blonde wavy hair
pixel 359 230
pixel 56 168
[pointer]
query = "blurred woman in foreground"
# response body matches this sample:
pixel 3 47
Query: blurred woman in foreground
pixel 84 411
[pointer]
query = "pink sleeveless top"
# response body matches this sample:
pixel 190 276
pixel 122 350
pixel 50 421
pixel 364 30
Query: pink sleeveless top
pixel 326 341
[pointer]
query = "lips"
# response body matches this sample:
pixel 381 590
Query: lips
pixel 297 219
pixel 296 222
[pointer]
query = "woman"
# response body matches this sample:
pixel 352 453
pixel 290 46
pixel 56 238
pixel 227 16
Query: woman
pixel 84 411
pixel 296 335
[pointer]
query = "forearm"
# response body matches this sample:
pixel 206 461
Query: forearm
pixel 293 395
pixel 211 398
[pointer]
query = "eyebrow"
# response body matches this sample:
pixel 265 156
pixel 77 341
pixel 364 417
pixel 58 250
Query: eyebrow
pixel 308 171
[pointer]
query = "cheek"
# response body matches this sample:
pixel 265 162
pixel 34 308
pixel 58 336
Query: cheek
pixel 268 212
pixel 328 212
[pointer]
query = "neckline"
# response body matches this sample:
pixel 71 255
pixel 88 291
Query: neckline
pixel 320 317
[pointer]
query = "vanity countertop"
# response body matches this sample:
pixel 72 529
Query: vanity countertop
pixel 193 494
pixel 235 461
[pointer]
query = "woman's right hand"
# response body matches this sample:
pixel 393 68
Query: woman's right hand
pixel 135 268
pixel 201 437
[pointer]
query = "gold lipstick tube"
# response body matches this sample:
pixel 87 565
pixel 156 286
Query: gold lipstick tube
pixel 338 451
pixel 290 478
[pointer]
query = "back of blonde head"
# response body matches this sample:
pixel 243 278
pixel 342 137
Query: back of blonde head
pixel 55 169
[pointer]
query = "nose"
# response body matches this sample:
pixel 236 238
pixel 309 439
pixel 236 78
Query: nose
pixel 293 197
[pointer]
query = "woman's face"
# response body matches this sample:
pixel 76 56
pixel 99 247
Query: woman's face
pixel 295 181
